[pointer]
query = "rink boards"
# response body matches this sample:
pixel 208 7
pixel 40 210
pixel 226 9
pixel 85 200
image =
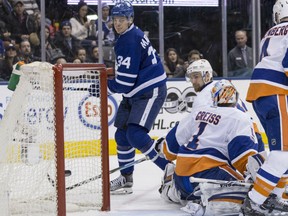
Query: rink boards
pixel 178 104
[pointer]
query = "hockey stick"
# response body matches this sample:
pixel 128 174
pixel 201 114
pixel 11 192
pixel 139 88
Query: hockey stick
pixel 221 182
pixel 110 172
pixel 67 173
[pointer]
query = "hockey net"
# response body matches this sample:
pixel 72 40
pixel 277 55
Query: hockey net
pixel 32 133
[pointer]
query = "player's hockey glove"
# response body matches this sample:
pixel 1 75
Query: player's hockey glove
pixel 94 89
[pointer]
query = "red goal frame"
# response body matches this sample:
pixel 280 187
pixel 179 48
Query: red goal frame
pixel 59 116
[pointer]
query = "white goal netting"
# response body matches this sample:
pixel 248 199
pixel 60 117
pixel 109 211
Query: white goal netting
pixel 27 143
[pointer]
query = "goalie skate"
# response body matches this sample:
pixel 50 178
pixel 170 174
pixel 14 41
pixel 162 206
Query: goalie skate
pixel 272 206
pixel 122 185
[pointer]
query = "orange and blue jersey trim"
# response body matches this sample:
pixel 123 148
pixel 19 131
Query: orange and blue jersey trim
pixel 190 162
pixel 266 82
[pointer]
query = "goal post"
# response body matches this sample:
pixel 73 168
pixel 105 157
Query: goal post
pixel 91 76
pixel 59 139
pixel 53 127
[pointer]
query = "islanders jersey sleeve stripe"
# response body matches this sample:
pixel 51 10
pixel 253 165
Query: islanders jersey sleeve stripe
pixel 169 155
pixel 171 145
pixel 270 75
pixel 260 89
pixel 265 82
pixel 171 140
pixel 239 153
pixel 240 162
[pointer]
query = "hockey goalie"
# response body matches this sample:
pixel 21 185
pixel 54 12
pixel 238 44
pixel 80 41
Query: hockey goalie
pixel 215 143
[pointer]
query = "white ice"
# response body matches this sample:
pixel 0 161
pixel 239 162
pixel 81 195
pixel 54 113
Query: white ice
pixel 145 199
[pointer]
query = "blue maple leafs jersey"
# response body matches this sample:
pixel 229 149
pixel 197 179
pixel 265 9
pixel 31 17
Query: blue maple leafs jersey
pixel 138 68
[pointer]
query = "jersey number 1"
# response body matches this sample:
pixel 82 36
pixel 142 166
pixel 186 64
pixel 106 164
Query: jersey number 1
pixel 194 143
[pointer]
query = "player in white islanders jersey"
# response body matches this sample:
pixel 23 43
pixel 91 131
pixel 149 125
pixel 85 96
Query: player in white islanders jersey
pixel 199 73
pixel 217 141
pixel 268 92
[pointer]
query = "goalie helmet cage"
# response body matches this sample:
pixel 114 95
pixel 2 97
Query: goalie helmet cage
pixel 50 125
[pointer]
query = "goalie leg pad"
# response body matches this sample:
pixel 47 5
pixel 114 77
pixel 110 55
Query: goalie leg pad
pixel 169 193
pixel 168 190
pixel 219 200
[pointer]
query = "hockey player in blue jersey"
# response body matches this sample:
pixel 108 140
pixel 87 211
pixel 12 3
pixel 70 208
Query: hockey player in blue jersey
pixel 140 78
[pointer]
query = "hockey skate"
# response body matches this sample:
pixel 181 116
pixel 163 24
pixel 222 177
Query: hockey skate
pixel 275 204
pixel 249 208
pixel 272 206
pixel 122 185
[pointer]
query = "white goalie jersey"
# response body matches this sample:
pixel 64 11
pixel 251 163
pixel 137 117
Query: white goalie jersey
pixel 204 99
pixel 214 136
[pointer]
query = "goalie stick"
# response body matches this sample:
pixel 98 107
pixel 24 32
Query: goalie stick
pixel 221 182
pixel 110 172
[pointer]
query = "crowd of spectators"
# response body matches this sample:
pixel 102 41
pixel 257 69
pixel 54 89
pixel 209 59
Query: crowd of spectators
pixel 74 41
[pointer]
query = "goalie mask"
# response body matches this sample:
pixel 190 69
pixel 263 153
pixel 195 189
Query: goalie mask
pixel 123 9
pixel 224 94
pixel 280 10
pixel 200 66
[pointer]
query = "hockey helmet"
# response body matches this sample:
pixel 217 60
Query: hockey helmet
pixel 200 66
pixel 224 93
pixel 280 10
pixel 124 9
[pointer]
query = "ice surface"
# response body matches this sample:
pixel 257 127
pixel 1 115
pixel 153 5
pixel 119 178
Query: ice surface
pixel 145 199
